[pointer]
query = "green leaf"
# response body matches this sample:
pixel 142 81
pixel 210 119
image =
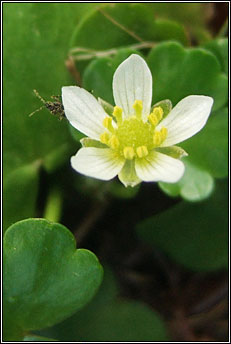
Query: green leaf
pixel 193 234
pixel 195 185
pixel 125 321
pixel 35 48
pixel 178 72
pixel 119 25
pixel 99 75
pixel 109 318
pixel 35 41
pixel 219 47
pixel 45 278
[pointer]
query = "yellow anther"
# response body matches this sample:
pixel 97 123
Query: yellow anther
pixel 107 123
pixel 156 116
pixel 114 142
pixel 142 151
pixel 158 112
pixel 104 138
pixel 138 107
pixel 117 113
pixel 129 153
pixel 153 119
pixel 164 133
pixel 157 138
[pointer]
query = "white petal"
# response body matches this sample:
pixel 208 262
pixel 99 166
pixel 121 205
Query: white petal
pixel 133 81
pixel 159 167
pixel 100 163
pixel 83 111
pixel 186 119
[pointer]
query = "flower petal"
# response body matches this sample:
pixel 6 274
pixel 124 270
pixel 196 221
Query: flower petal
pixel 133 81
pixel 83 111
pixel 159 167
pixel 100 163
pixel 186 119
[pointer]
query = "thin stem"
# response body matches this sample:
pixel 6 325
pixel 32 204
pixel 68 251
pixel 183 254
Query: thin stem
pixel 90 53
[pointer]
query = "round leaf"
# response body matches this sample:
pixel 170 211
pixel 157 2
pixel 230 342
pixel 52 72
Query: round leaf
pixel 45 278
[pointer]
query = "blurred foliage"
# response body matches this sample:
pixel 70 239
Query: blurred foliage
pixel 119 319
pixel 193 234
pixel 19 193
pixel 193 16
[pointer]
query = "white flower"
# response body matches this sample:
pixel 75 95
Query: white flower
pixel 135 143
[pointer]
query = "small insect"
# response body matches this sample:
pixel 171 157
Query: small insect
pixel 56 107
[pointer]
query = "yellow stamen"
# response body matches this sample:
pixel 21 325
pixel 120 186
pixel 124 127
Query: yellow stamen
pixel 107 123
pixel 157 138
pixel 104 138
pixel 142 151
pixel 164 133
pixel 153 119
pixel 158 112
pixel 156 116
pixel 138 107
pixel 114 142
pixel 117 113
pixel 129 153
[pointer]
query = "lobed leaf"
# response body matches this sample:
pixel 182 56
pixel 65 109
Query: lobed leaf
pixel 45 278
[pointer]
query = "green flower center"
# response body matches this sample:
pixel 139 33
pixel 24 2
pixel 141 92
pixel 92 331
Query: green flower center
pixel 134 133
pixel 133 138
